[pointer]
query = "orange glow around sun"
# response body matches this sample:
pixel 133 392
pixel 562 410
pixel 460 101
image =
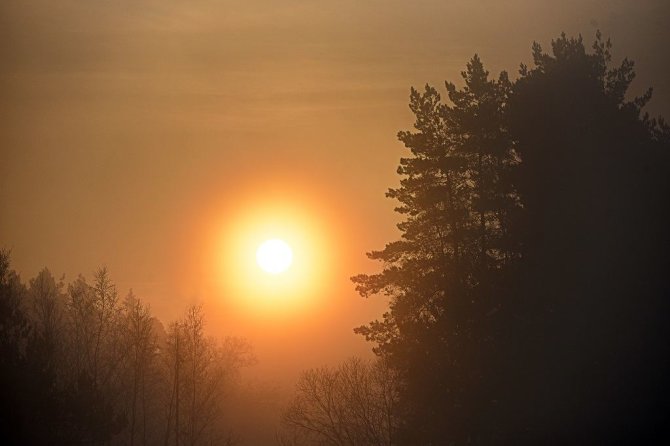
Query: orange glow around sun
pixel 273 259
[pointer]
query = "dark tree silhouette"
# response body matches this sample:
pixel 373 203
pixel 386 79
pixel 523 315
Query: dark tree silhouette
pixel 593 308
pixel 14 332
pixel 528 298
pixel 446 275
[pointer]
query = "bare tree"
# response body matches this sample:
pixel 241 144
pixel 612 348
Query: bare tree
pixel 95 354
pixel 200 371
pixel 46 308
pixel 87 369
pixel 173 357
pixel 140 352
pixel 81 327
pixel 352 404
pixel 107 351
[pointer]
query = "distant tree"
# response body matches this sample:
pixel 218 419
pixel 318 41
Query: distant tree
pixel 173 359
pixel 46 301
pixel 140 346
pixel 107 351
pixel 94 387
pixel 14 331
pixel 352 404
pixel 80 367
pixel 200 372
pixel 33 410
pixel 80 326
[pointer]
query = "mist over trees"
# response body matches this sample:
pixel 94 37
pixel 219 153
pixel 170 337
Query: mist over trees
pixel 82 366
pixel 528 293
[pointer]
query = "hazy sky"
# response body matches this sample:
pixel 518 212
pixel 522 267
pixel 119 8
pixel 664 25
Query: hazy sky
pixel 131 132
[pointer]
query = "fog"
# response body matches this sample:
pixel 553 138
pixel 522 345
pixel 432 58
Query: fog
pixel 134 134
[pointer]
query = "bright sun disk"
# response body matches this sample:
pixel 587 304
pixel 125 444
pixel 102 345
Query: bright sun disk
pixel 274 256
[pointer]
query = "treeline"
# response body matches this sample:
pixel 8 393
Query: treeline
pixel 529 294
pixel 80 365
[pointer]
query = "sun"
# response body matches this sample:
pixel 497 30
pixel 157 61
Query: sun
pixel 272 259
pixel 274 256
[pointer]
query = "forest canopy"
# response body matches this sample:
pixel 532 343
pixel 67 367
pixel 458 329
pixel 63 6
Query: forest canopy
pixel 80 365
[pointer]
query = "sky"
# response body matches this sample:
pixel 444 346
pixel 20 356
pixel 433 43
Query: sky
pixel 152 136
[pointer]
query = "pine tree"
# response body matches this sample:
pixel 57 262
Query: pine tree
pixel 458 199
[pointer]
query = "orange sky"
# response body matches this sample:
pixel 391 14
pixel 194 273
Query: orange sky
pixel 133 134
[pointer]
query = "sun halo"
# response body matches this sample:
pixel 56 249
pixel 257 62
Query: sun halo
pixel 280 290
